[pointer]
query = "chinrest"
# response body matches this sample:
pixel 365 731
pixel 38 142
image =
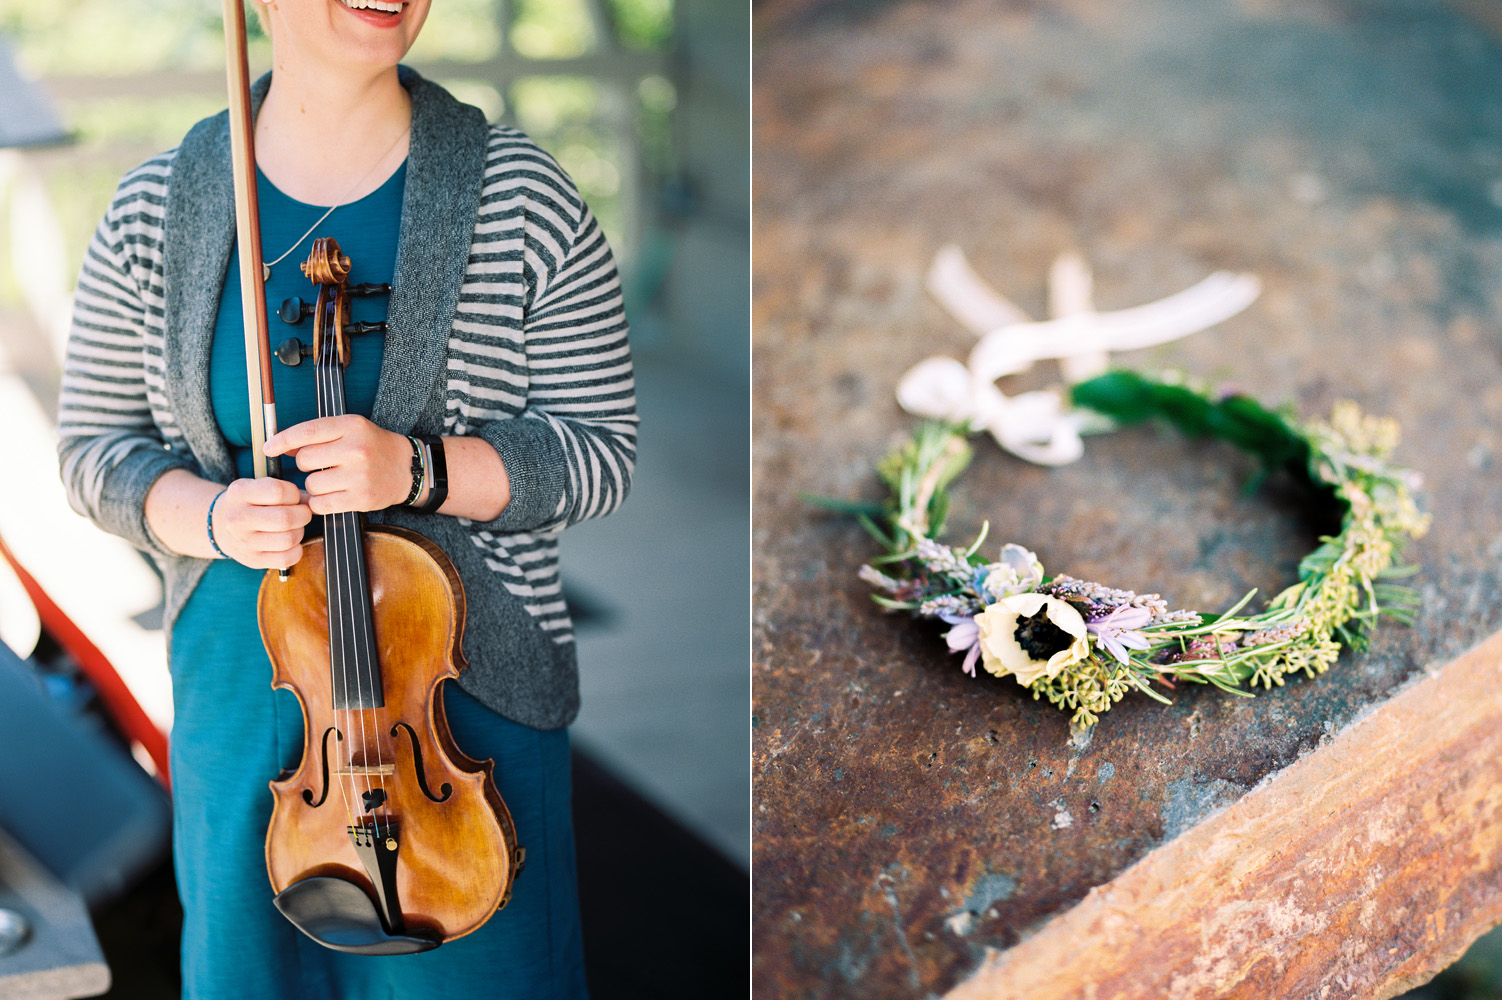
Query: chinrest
pixel 338 914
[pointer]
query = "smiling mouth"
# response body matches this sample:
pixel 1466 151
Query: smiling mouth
pixel 382 6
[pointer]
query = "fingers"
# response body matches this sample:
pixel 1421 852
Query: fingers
pixel 259 523
pixel 353 464
pixel 339 502
pixel 341 489
pixel 309 432
pixel 263 492
pixel 343 451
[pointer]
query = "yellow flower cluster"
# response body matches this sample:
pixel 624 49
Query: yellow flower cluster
pixel 1361 433
pixel 1382 511
pixel 1313 656
pixel 1337 598
pixel 1088 688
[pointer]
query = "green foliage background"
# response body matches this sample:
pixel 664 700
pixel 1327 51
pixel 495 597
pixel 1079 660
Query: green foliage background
pixel 570 115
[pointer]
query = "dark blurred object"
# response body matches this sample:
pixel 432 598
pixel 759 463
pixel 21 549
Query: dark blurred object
pixel 70 793
pixel 1477 975
pixel 140 933
pixel 666 916
pixel 92 829
pixel 59 957
pixel 26 114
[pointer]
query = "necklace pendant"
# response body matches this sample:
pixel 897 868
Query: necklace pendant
pixel 265 272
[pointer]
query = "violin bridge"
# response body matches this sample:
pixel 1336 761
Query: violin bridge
pixel 366 770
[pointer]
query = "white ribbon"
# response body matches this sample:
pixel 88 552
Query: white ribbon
pixel 1037 426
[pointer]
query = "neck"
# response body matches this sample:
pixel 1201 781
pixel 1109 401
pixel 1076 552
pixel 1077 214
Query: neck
pixel 322 129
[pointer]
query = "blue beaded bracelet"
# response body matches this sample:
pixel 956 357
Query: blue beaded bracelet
pixel 211 525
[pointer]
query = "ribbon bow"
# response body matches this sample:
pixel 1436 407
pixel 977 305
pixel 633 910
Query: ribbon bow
pixel 1037 426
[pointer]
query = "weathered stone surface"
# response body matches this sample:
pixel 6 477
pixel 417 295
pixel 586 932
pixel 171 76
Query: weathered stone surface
pixel 907 819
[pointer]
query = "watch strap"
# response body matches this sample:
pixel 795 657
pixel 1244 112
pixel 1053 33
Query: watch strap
pixel 438 474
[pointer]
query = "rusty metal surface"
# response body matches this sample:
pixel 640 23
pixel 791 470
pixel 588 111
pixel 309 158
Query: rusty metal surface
pixel 1362 882
pixel 906 818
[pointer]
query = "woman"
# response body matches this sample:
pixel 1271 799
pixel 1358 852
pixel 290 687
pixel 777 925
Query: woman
pixel 504 335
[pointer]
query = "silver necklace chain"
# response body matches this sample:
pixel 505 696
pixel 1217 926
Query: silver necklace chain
pixel 266 266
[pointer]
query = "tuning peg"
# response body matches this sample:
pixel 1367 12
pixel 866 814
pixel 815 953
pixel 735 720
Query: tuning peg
pixel 366 327
pixel 362 290
pixel 291 352
pixel 293 310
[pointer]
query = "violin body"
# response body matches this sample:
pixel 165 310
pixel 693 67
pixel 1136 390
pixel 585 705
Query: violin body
pixel 386 839
pixel 457 857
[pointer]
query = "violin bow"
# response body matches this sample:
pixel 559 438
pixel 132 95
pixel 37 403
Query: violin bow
pixel 248 228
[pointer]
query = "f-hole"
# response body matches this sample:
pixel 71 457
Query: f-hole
pixel 422 780
pixel 307 793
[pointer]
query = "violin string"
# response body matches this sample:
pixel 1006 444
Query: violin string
pixel 338 632
pixel 336 643
pixel 353 606
pixel 361 603
pixel 348 598
pixel 360 612
pixel 347 786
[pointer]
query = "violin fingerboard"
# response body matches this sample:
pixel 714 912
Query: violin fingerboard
pixel 355 672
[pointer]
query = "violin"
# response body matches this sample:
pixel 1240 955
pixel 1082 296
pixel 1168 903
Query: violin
pixel 386 838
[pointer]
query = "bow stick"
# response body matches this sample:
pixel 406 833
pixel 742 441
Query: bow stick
pixel 248 228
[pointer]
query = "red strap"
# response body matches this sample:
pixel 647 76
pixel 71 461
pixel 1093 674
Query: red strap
pixel 127 712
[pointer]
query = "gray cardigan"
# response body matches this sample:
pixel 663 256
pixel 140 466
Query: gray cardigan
pixel 504 322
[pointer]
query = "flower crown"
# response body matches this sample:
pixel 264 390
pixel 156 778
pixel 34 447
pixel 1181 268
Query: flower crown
pixel 1085 646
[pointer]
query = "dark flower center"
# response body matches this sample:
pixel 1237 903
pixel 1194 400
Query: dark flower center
pixel 1041 638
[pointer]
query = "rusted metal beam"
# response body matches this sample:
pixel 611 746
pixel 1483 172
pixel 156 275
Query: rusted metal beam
pixel 1361 870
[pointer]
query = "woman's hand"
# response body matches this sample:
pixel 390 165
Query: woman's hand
pixel 354 464
pixel 259 523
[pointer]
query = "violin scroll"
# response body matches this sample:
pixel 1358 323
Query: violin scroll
pixel 326 265
pixel 328 268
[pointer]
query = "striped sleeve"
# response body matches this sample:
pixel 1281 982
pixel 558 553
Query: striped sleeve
pixel 571 453
pixel 110 449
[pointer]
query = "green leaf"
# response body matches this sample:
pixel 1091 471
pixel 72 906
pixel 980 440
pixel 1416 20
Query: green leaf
pixel 1321 560
pixel 875 531
pixel 870 508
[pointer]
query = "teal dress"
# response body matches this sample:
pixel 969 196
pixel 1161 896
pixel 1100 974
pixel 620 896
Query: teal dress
pixel 233 733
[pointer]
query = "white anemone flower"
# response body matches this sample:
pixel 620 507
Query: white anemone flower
pixel 1031 636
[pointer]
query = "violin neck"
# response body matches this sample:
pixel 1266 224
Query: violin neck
pixel 356 673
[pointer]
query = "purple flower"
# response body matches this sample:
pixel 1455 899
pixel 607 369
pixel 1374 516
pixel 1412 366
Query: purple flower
pixel 964 636
pixel 1117 630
